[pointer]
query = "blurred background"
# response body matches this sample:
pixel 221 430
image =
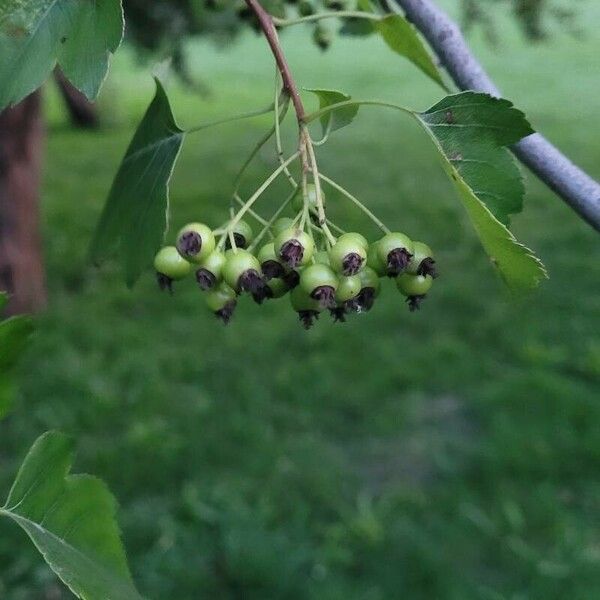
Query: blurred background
pixel 453 453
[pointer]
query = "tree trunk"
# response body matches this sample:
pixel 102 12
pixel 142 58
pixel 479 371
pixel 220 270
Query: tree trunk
pixel 83 113
pixel 21 264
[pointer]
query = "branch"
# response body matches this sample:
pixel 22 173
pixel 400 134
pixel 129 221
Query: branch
pixel 268 27
pixel 573 185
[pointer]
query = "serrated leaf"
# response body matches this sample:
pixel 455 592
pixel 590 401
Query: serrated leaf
pixel 336 119
pixel 473 130
pixel 518 266
pixel 134 218
pixel 403 39
pixel 71 520
pixel 36 34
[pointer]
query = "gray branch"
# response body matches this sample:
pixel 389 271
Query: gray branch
pixel 574 186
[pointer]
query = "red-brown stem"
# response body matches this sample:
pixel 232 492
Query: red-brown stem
pixel 266 24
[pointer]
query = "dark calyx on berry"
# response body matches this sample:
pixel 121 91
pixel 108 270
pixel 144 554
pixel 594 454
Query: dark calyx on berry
pixel 239 239
pixel 352 263
pixel 427 267
pixel 324 295
pixel 164 282
pixel 225 313
pixel 291 279
pixel 338 313
pixel 414 302
pixel 206 280
pixel 307 318
pixel 365 299
pixel 266 293
pixel 251 281
pixel 272 269
pixel 292 253
pixel 397 261
pixel 189 243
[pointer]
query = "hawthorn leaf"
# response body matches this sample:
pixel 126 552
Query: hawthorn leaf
pixel 335 119
pixel 473 130
pixel 402 37
pixel 71 521
pixel 35 35
pixel 134 219
pixel 517 265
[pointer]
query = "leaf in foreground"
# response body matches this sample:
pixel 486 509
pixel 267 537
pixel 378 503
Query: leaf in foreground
pixel 34 36
pixel 134 218
pixel 469 131
pixel 71 520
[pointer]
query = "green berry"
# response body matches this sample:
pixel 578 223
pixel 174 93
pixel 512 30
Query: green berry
pixel 242 235
pixel 311 196
pixel 281 225
pixel 222 301
pixel 269 263
pixel 374 261
pixel 170 266
pixel 306 8
pixel 277 287
pixel 294 247
pixel 307 308
pixel 319 282
pixel 322 257
pixel 348 288
pixel 358 237
pixel 422 261
pixel 195 241
pixel 241 272
pixel 395 251
pixel 370 286
pixel 414 287
pixel 210 270
pixel 347 256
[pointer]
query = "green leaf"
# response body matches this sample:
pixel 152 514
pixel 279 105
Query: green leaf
pixel 473 130
pixel 35 35
pixel 517 265
pixel 14 334
pixel 71 521
pixel 336 119
pixel 403 38
pixel 134 218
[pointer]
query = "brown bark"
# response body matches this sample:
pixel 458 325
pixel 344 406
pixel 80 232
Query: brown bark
pixel 83 113
pixel 21 264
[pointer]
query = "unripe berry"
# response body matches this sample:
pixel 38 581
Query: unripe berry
pixel 195 241
pixel 242 235
pixel 374 261
pixel 348 288
pixel 311 197
pixel 222 301
pixel 347 256
pixel 319 282
pixel 370 287
pixel 242 272
pixel 422 261
pixel 306 8
pixel 322 257
pixel 414 287
pixel 170 266
pixel 307 308
pixel 269 263
pixel 357 237
pixel 281 225
pixel 210 270
pixel 395 251
pixel 276 288
pixel 294 247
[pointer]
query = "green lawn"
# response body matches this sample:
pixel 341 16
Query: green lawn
pixel 452 454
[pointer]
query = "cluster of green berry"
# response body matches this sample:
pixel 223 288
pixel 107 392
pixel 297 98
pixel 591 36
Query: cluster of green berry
pixel 343 277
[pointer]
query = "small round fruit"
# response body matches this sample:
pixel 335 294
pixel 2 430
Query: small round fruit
pixel 307 308
pixel 306 8
pixel 348 288
pixel 242 235
pixel 276 288
pixel 319 282
pixel 422 261
pixel 322 37
pixel 210 270
pixel 347 256
pixel 170 266
pixel 222 302
pixel 281 225
pixel 322 257
pixel 294 247
pixel 241 272
pixel 269 263
pixel 414 287
pixel 195 241
pixel 370 286
pixel 358 237
pixel 311 196
pixel 395 251
pixel 374 261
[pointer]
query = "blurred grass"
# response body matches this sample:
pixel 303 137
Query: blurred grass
pixel 449 454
